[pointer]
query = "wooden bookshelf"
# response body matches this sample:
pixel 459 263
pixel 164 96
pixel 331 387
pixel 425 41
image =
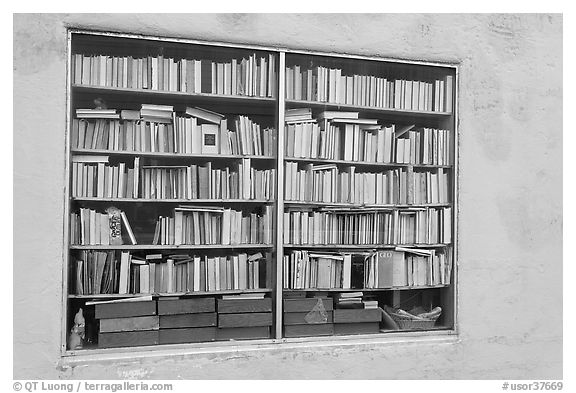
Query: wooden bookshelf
pixel 367 109
pixel 409 108
pixel 171 295
pixel 166 200
pixel 170 247
pixel 198 157
pixel 366 247
pixel 364 163
pixel 410 288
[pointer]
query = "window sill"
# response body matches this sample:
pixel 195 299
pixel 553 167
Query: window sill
pixel 76 358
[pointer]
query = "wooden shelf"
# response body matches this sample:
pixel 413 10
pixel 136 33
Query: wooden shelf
pixel 199 293
pixel 365 163
pixel 77 88
pixel 353 206
pixel 144 200
pixel 405 288
pixel 368 109
pixel 199 157
pixel 169 247
pixel 363 246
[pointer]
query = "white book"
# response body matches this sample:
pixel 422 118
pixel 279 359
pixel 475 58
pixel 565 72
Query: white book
pixel 123 282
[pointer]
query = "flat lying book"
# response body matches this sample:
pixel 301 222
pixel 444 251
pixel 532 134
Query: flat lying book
pixel 97 114
pixel 338 115
pixel 146 298
pixel 354 121
pixel 205 114
pixel 244 296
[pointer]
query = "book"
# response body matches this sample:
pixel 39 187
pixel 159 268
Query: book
pixel 128 228
pixel 205 114
pixel 210 139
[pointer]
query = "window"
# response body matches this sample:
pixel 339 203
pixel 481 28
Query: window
pixel 227 192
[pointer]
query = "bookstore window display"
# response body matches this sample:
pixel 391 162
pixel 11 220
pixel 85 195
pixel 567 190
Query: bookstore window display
pixel 220 192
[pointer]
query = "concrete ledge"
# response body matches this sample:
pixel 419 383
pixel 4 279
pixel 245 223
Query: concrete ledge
pixel 85 357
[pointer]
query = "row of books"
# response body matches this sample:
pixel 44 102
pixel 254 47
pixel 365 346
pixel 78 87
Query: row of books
pixel 406 226
pixel 303 269
pixel 184 273
pixel 254 75
pixel 411 268
pixel 197 131
pixel 92 176
pixel 331 85
pixel 330 184
pixel 335 135
pixel 90 227
pixel 355 300
pixel 110 272
pixel 214 225
pixel 206 182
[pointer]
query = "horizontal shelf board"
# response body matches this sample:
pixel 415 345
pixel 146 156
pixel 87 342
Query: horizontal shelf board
pixel 359 206
pixel 132 200
pixel 359 108
pixel 364 163
pixel 199 293
pixel 78 88
pixel 364 246
pixel 168 247
pixel 367 289
pixel 170 155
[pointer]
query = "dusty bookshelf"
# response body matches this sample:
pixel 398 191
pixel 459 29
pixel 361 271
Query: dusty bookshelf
pixel 142 158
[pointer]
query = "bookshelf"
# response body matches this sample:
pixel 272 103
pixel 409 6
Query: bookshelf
pixel 225 192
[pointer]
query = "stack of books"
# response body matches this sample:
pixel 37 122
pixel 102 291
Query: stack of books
pixel 307 316
pixel 244 316
pixel 127 322
pixel 186 320
pixel 352 316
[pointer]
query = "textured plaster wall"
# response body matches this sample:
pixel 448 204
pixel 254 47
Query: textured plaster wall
pixel 510 298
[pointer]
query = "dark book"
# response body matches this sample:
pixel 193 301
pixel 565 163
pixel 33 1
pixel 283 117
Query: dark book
pixel 125 309
pixel 323 329
pixel 245 320
pixel 244 305
pixel 129 324
pixel 187 335
pixel 306 318
pixel 358 315
pixel 187 320
pixel 185 306
pixel 356 328
pixel 243 333
pixel 206 76
pixel 128 339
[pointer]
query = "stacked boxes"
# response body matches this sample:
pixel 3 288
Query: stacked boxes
pixel 357 321
pixel 244 318
pixel 305 317
pixel 127 324
pixel 187 320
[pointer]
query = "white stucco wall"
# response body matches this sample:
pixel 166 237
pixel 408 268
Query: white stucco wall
pixel 510 298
